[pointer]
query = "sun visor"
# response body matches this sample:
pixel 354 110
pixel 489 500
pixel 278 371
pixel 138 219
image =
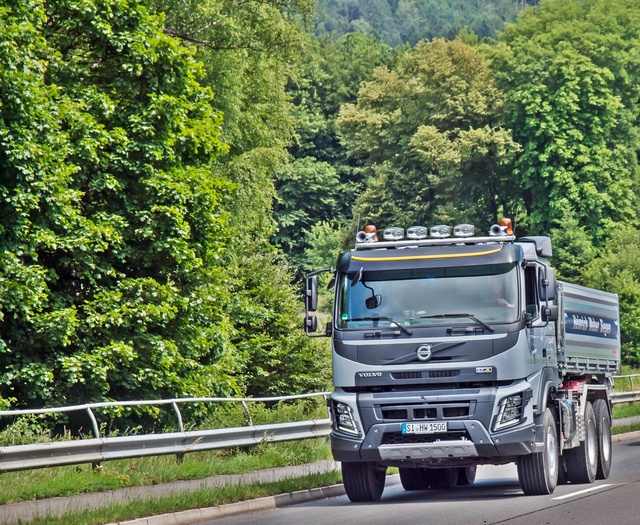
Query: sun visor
pixel 431 257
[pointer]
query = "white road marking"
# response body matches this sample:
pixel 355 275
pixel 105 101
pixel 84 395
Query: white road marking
pixel 585 491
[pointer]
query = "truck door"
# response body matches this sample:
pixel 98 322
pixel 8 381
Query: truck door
pixel 536 332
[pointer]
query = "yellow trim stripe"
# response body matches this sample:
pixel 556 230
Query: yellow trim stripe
pixel 418 257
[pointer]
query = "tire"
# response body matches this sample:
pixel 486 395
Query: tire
pixel 416 478
pixel 582 461
pixel 538 472
pixel 446 478
pixel 603 429
pixel 467 475
pixel 363 481
pixel 563 477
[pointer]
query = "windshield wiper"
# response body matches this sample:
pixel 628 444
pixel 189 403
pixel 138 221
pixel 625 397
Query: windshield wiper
pixel 382 318
pixel 470 316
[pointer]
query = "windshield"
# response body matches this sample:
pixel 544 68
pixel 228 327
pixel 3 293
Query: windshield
pixel 429 297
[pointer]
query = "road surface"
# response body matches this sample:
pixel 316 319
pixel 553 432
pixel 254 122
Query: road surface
pixel 495 498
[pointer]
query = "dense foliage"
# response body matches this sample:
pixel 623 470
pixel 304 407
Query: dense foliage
pixel 430 130
pixel 135 221
pixel 111 217
pixel 570 72
pixel 397 22
pixel 167 169
pixel 322 181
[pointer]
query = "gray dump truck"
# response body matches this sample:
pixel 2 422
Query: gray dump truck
pixel 453 351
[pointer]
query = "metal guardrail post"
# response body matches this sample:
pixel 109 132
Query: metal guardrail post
pixel 94 423
pixel 96 433
pixel 178 416
pixel 176 409
pixel 246 409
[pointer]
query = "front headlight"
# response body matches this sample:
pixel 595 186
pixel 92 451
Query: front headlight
pixel 511 410
pixel 343 418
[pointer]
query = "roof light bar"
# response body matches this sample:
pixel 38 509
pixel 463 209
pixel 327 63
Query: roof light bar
pixel 464 230
pixel 393 234
pixel 440 231
pixel 370 234
pixel 417 232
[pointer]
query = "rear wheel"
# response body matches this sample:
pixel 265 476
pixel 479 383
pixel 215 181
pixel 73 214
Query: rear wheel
pixel 416 478
pixel 446 478
pixel 363 481
pixel 582 461
pixel 563 477
pixel 538 472
pixel 603 429
pixel 467 475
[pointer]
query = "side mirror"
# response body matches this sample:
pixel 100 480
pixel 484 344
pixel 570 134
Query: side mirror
pixel 373 302
pixel 311 293
pixel 550 313
pixel 548 285
pixel 311 323
pixel 528 320
pixel 311 303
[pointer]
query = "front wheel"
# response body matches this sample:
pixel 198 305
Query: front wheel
pixel 363 481
pixel 538 472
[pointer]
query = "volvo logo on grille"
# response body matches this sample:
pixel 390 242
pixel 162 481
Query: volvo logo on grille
pixel 424 353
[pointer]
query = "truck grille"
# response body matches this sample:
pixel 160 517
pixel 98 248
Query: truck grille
pixel 448 412
pixel 417 413
pixel 400 414
pixel 425 413
pixel 425 374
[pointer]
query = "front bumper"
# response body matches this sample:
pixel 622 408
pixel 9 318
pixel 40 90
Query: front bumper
pixel 466 441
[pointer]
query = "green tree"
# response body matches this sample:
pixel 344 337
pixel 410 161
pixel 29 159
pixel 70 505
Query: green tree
pixel 249 51
pixel 573 248
pixel 571 73
pixel 111 219
pixel 324 245
pixel 617 270
pixel 322 183
pixel 397 22
pixel 308 190
pixel 429 131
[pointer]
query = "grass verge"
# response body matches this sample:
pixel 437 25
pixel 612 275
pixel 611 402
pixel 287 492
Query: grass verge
pixel 623 429
pixel 186 501
pixel 624 410
pixel 68 481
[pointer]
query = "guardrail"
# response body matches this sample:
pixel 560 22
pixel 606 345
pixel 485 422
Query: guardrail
pixel 625 397
pixel 630 377
pixel 97 449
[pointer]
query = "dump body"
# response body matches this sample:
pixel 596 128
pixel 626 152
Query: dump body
pixel 589 330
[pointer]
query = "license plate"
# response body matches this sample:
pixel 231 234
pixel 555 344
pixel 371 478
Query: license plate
pixel 424 428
